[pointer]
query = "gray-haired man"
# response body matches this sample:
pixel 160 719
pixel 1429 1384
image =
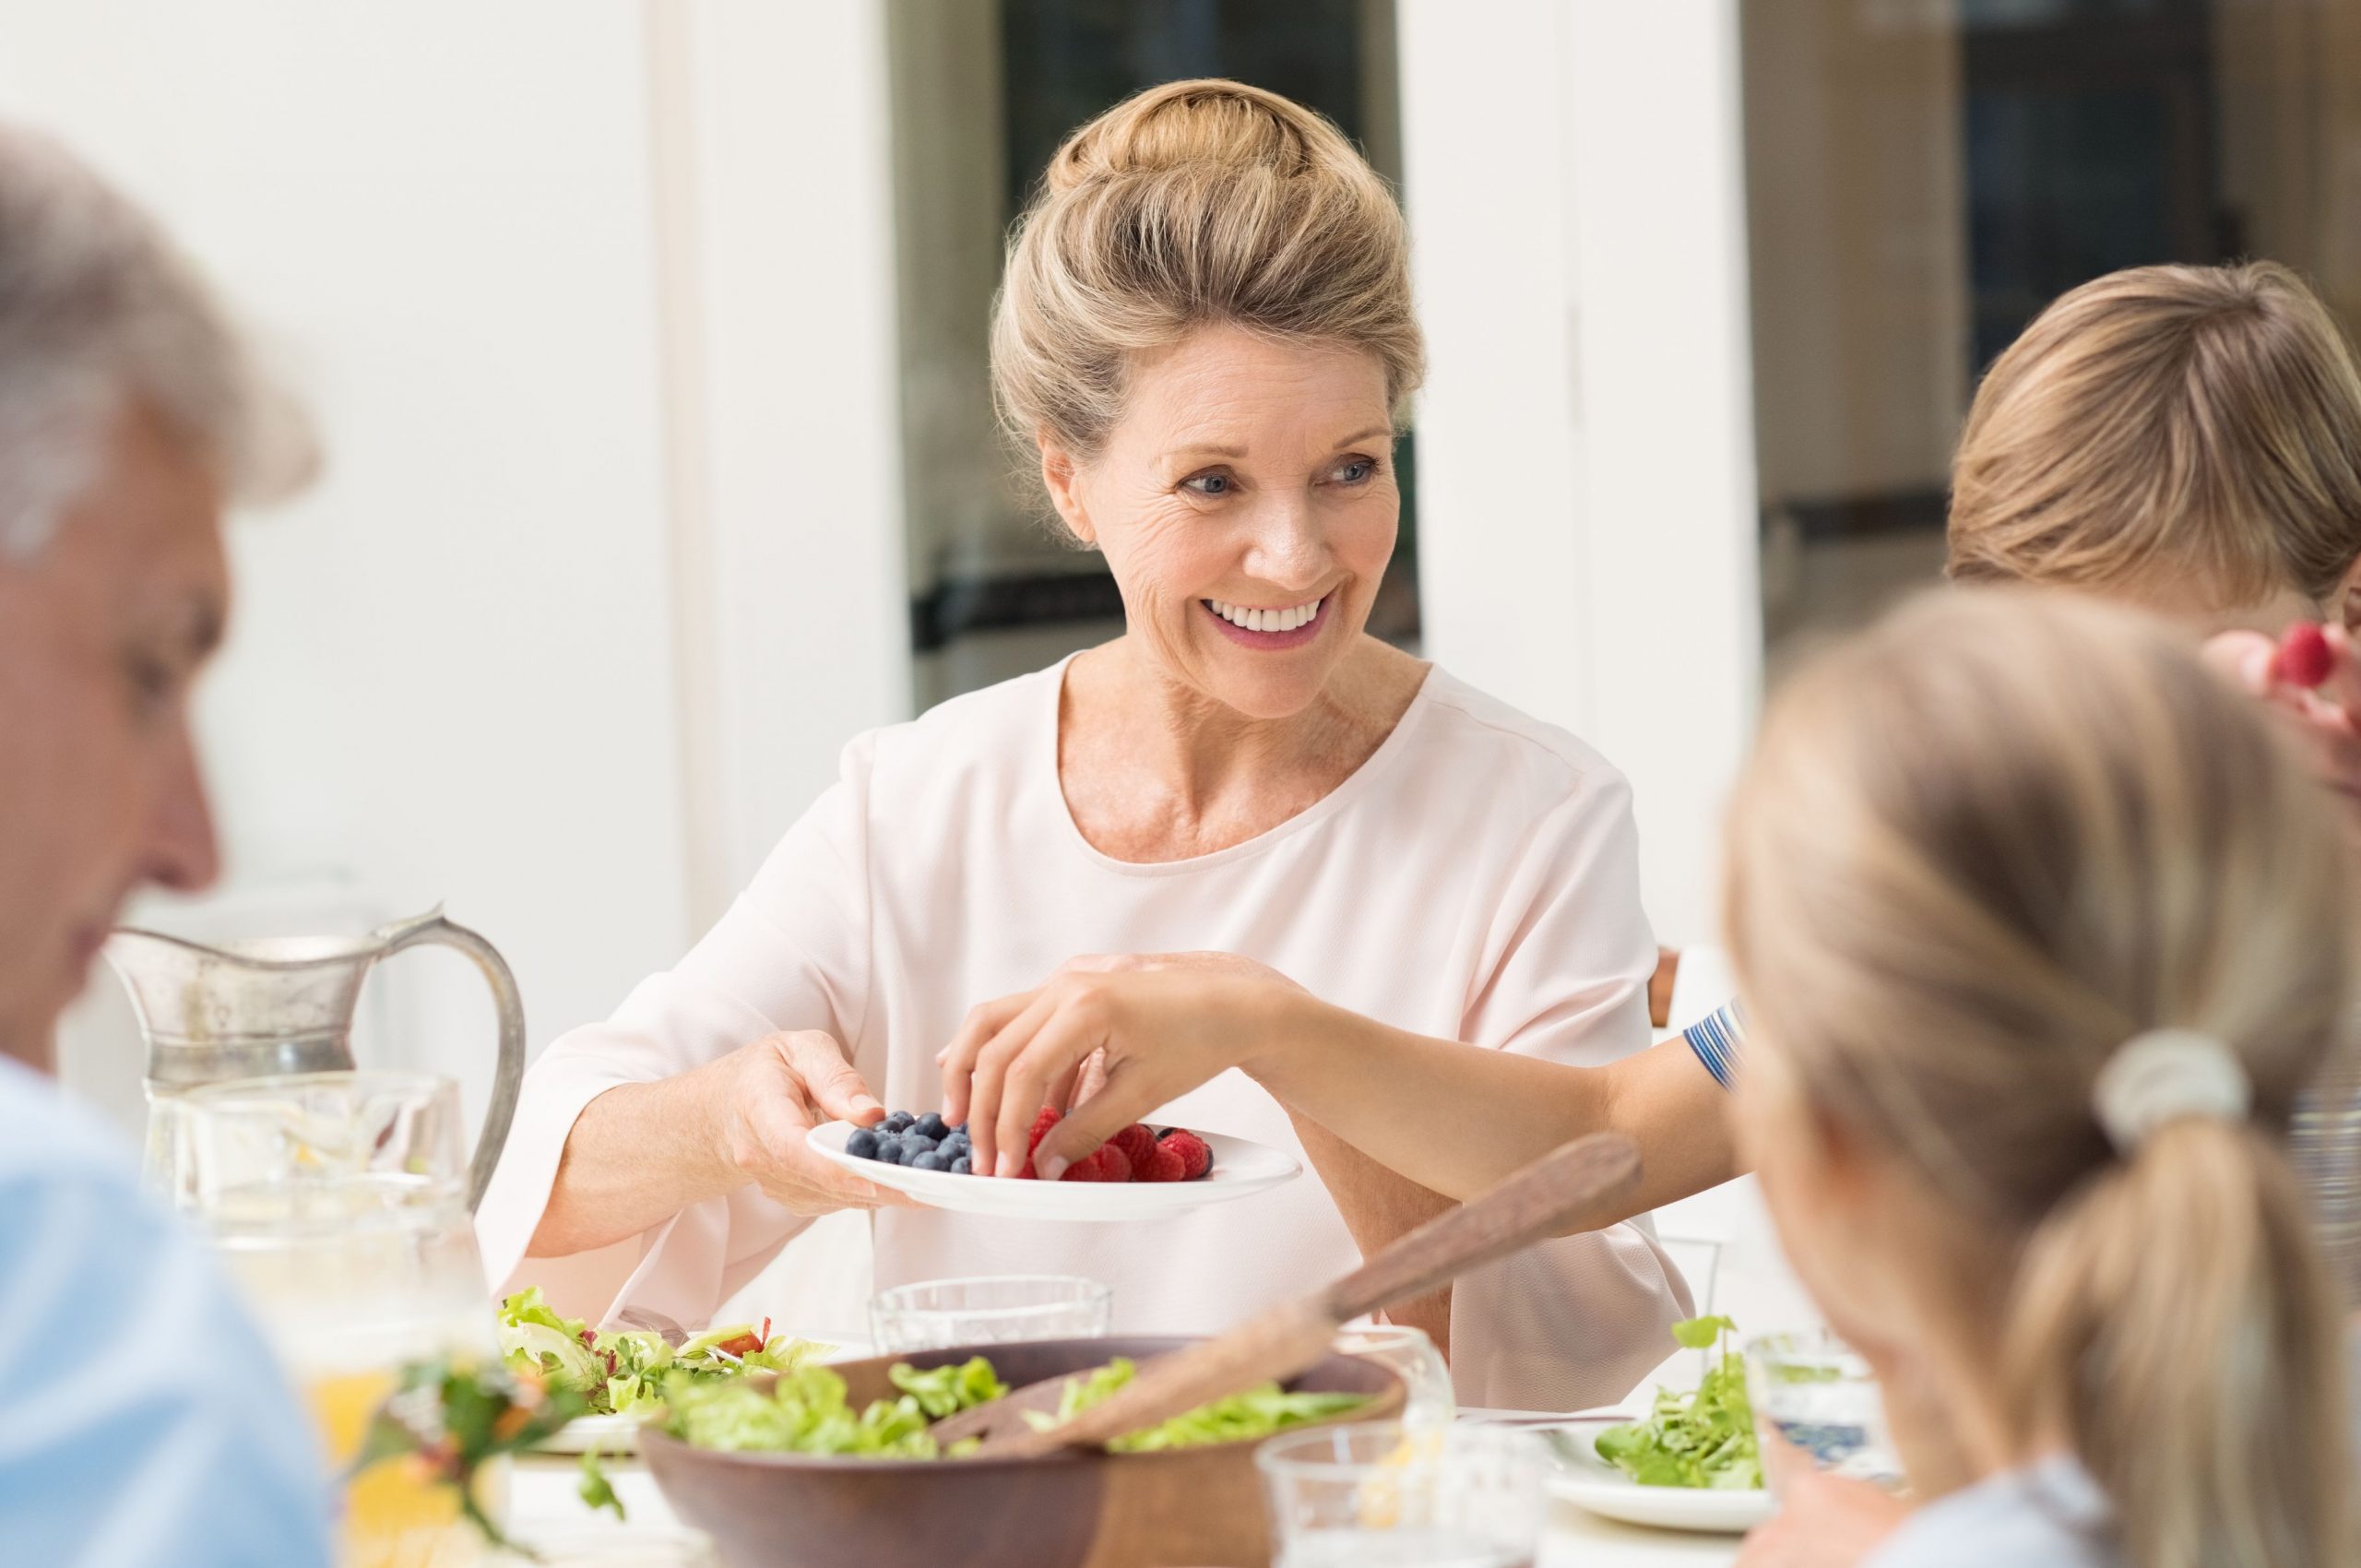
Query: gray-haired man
pixel 147 1423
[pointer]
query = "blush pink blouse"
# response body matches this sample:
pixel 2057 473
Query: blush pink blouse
pixel 1476 878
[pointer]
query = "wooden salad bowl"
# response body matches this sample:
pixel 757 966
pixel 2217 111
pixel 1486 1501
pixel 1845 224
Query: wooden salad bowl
pixel 1202 1507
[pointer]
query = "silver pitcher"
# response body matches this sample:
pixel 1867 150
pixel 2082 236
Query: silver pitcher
pixel 285 1004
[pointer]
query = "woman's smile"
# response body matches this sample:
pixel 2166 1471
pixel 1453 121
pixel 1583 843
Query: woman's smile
pixel 1269 630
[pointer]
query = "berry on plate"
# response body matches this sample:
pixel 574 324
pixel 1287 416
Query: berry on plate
pixel 1196 1158
pixel 1163 1164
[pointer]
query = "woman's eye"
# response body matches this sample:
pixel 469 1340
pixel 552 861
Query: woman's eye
pixel 1209 484
pixel 1353 470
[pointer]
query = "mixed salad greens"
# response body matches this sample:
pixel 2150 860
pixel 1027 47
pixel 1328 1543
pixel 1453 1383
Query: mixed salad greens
pixel 1704 1439
pixel 629 1374
pixel 806 1412
pixel 1256 1412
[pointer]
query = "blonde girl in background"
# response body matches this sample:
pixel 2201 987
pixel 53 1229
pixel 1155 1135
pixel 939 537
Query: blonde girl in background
pixel 2041 933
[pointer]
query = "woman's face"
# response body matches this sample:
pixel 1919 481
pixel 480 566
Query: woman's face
pixel 1246 504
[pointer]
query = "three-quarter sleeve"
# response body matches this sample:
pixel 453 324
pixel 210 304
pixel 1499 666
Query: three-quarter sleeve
pixel 1576 1322
pixel 793 952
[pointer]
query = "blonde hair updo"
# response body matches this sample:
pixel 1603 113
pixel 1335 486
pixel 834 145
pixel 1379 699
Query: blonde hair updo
pixel 1195 204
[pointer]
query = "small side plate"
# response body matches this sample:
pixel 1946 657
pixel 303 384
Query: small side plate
pixel 1583 1479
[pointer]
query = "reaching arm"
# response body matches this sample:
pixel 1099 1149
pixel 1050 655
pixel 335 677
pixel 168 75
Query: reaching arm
pixel 1449 1117
pixel 1460 1118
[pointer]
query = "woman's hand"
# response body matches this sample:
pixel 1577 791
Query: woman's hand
pixel 2327 716
pixel 1130 1033
pixel 762 1101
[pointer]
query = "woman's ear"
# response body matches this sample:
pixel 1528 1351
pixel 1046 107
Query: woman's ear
pixel 1061 476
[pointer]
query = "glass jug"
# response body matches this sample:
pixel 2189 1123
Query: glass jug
pixel 337 1201
pixel 285 1004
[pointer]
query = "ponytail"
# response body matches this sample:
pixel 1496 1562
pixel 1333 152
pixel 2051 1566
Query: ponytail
pixel 2173 1323
pixel 2047 914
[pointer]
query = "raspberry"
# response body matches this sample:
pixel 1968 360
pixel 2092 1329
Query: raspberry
pixel 2304 657
pixel 1136 1142
pixel 1163 1164
pixel 1196 1158
pixel 1106 1165
pixel 1051 1116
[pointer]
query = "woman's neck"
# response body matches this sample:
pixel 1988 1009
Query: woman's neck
pixel 1154 770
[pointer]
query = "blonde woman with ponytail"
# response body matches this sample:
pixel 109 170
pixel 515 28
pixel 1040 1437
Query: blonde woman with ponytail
pixel 2041 932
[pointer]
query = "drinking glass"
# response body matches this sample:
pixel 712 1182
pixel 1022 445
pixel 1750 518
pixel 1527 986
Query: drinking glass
pixel 1378 1495
pixel 338 1203
pixel 994 1310
pixel 1411 1356
pixel 1815 1393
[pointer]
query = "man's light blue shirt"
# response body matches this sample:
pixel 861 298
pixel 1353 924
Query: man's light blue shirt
pixel 143 1423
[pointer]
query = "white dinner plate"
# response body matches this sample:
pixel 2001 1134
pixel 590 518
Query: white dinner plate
pixel 1583 1478
pixel 1239 1167
pixel 619 1434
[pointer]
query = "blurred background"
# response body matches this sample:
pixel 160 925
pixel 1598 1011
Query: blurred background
pixel 647 339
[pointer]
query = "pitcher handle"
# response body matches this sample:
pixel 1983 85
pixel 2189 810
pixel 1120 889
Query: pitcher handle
pixel 508 1072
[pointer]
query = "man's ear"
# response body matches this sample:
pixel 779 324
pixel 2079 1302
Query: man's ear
pixel 1061 476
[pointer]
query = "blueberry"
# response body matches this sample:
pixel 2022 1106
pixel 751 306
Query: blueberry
pixel 929 1160
pixel 959 1139
pixel 931 1124
pixel 892 1151
pixel 919 1143
pixel 961 1166
pixel 862 1144
pixel 899 1121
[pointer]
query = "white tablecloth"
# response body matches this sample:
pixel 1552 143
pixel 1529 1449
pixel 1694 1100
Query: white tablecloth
pixel 542 1496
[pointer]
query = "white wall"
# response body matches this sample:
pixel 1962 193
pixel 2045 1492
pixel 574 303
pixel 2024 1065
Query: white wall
pixel 1586 465
pixel 447 678
pixel 530 648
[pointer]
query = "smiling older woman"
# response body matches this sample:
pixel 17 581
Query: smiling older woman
pixel 1206 332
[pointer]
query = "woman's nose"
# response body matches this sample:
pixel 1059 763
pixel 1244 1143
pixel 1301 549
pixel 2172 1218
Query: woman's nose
pixel 1290 548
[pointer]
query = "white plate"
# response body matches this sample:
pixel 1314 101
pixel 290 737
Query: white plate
pixel 619 1434
pixel 1239 1167
pixel 1591 1482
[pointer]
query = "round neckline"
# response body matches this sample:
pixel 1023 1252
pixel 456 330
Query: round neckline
pixel 1355 782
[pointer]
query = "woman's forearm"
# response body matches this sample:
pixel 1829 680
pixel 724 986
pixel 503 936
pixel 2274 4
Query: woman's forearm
pixel 636 1155
pixel 1457 1118
pixel 1379 1206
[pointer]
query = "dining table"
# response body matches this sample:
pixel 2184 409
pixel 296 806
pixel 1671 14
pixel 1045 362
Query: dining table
pixel 543 1498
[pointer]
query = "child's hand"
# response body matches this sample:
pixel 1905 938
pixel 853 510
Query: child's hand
pixel 2324 714
pixel 1824 1522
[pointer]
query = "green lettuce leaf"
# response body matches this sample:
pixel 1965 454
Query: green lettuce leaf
pixel 1702 1440
pixel 807 1412
pixel 1257 1412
